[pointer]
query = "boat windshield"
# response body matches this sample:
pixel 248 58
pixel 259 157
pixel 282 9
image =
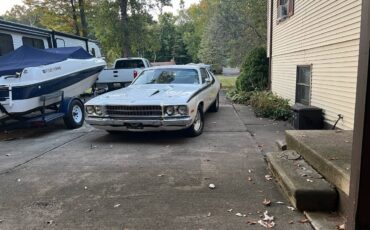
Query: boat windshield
pixel 168 76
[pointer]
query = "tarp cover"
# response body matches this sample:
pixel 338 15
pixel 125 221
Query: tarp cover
pixel 26 56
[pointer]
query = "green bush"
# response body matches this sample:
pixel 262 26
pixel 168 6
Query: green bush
pixel 267 104
pixel 254 72
pixel 239 97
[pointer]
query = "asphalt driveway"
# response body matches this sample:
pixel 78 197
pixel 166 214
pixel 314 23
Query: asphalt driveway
pixel 86 179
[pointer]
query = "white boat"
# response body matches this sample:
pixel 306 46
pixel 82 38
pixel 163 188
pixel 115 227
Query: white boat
pixel 28 74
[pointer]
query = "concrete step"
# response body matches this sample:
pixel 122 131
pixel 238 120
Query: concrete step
pixel 325 221
pixel 328 151
pixel 303 186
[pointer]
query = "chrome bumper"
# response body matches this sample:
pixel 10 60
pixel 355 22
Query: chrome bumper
pixel 139 125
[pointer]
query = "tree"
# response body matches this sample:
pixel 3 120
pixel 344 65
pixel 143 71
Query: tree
pixel 81 4
pixel 74 16
pixel 126 50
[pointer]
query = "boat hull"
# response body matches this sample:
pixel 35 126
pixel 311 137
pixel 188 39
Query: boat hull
pixel 28 97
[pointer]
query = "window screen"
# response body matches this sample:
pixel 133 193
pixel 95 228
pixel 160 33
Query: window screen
pixel 129 64
pixel 6 44
pixel 33 42
pixel 303 87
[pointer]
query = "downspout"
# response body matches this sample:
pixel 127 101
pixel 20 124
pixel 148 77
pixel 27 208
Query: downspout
pixel 270 45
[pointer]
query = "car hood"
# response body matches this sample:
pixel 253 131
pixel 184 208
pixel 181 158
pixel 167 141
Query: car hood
pixel 148 95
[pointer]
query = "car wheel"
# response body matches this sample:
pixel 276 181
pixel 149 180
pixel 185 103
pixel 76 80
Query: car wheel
pixel 216 104
pixel 75 116
pixel 197 127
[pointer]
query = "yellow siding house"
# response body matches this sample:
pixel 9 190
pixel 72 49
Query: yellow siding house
pixel 314 50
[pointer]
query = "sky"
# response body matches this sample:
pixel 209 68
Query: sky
pixel 8 4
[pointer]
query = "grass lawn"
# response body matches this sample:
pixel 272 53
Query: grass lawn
pixel 227 82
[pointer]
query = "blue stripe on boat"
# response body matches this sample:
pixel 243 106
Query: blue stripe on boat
pixel 47 87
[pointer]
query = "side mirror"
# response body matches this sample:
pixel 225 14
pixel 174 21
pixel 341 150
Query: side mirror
pixel 208 81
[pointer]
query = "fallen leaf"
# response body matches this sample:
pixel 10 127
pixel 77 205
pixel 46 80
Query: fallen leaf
pixel 268 177
pixel 341 227
pixel 209 214
pixel 291 222
pixel 252 222
pixel 250 170
pixel 212 186
pixel 267 217
pixel 239 214
pixel 267 224
pixel 249 178
pixel 160 175
pixel 309 180
pixel 116 205
pixel 303 221
pixel 230 210
pixel 291 208
pixel 279 202
pixel 89 210
pixel 266 202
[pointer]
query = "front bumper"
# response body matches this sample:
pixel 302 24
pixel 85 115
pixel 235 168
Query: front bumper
pixel 140 125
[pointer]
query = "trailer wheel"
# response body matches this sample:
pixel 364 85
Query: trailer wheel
pixel 75 115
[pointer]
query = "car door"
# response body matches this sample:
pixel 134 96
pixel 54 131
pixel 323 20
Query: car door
pixel 214 87
pixel 207 92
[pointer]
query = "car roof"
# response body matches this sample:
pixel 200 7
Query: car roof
pixel 176 67
pixel 131 58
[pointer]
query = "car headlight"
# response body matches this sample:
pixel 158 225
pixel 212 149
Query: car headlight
pixel 170 110
pixel 90 109
pixel 182 109
pixel 98 110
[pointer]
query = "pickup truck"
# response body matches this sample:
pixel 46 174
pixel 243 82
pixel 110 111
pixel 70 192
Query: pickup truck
pixel 124 71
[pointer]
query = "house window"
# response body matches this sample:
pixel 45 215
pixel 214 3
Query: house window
pixel 285 9
pixel 33 42
pixel 6 44
pixel 303 87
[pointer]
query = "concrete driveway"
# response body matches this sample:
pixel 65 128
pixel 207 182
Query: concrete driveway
pixel 86 179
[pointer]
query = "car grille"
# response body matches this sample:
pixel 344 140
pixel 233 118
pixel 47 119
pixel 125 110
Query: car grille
pixel 134 110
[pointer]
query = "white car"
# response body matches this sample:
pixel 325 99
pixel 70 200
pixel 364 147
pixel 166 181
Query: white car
pixel 161 98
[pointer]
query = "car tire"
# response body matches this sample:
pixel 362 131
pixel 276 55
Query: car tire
pixel 75 115
pixel 196 128
pixel 216 105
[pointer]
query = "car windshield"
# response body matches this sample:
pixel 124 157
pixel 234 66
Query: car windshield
pixel 168 76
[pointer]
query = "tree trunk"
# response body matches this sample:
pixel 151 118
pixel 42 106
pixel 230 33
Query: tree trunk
pixel 74 14
pixel 126 51
pixel 81 4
